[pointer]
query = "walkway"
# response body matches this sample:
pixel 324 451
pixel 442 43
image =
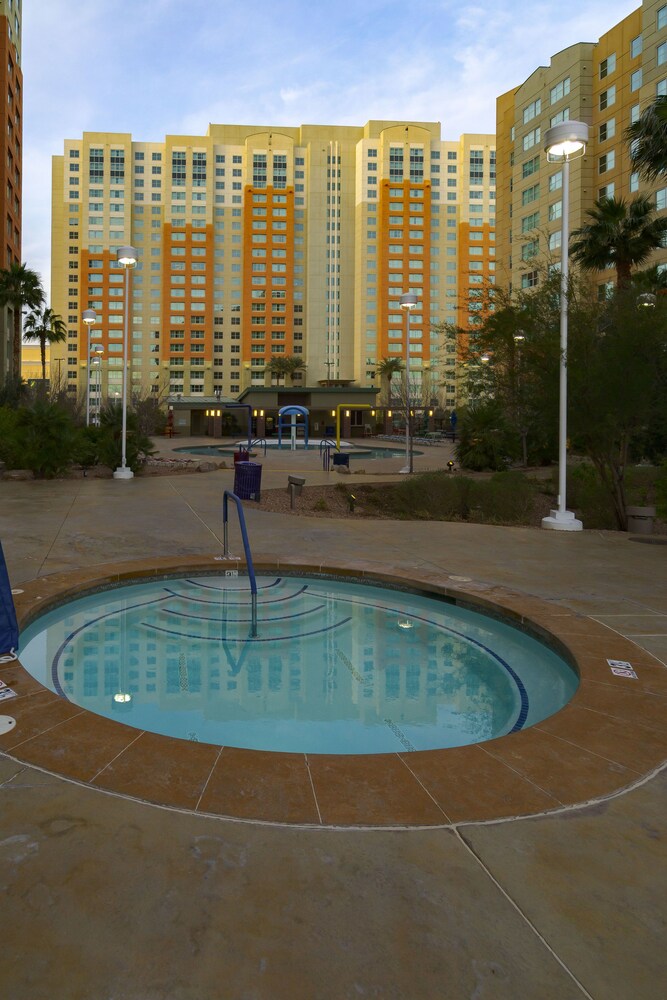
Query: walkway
pixel 108 897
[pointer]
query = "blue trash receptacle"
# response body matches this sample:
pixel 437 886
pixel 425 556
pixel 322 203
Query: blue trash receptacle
pixel 247 480
pixel 342 460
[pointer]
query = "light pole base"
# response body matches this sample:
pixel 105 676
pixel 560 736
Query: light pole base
pixel 123 473
pixel 562 520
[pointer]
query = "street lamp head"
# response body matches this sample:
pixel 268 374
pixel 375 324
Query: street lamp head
pixel 89 317
pixel 566 141
pixel 408 300
pixel 126 256
pixel 647 300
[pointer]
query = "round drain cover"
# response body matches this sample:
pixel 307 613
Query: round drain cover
pixel 16 590
pixel 6 723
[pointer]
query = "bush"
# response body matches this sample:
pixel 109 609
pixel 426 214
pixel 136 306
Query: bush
pixel 589 497
pixel 109 440
pixel 661 492
pixel 485 441
pixel 47 439
pixel 505 499
pixel 11 452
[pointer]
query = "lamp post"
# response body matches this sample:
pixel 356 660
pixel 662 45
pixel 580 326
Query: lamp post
pixel 96 363
pixel 563 143
pixel 89 317
pixel 408 301
pixel 127 258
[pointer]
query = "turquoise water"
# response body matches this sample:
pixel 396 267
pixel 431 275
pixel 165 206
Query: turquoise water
pixel 336 667
pixel 367 453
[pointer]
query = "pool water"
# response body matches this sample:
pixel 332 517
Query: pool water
pixel 367 453
pixel 336 667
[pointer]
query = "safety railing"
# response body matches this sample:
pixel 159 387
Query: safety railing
pixel 246 548
pixel 259 443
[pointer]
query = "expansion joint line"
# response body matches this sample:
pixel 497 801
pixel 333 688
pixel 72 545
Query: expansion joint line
pixel 515 906
pixel 74 501
pixel 198 516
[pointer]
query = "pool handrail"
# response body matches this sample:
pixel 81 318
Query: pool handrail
pixel 246 549
pixel 328 442
pixel 258 442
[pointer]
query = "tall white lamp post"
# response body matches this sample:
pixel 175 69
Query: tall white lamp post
pixel 89 317
pixel 127 258
pixel 563 143
pixel 96 364
pixel 408 301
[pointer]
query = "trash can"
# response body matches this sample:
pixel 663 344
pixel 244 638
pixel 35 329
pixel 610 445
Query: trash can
pixel 247 480
pixel 241 456
pixel 341 460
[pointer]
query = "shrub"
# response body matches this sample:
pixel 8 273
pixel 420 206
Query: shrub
pixel 109 440
pixel 10 447
pixel 485 441
pixel 47 438
pixel 506 498
pixel 589 496
pixel 661 492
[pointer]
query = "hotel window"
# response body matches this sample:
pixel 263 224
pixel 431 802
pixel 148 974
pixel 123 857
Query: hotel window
pixel 607 130
pixel 395 163
pixel 561 116
pixel 259 170
pixel 178 169
pixel 560 90
pixel 477 165
pixel 607 98
pixel 636 45
pixel 279 170
pixel 606 162
pixel 530 222
pixel 531 139
pixel 661 199
pixel 636 80
pixel 555 210
pixel 607 65
pixel 662 53
pixel 531 111
pixel 556 181
pixel 530 279
pixel 607 191
pixel 530 166
pixel 662 17
pixel 530 194
pixel 555 240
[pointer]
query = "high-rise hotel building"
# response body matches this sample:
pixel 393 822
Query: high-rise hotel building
pixel 257 241
pixel 11 159
pixel 605 84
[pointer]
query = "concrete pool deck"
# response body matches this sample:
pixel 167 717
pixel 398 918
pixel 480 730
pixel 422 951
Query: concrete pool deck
pixel 106 896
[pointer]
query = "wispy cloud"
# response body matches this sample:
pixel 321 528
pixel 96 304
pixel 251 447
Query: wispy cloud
pixel 164 67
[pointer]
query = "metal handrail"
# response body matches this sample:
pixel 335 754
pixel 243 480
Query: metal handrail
pixel 328 443
pixel 259 442
pixel 246 549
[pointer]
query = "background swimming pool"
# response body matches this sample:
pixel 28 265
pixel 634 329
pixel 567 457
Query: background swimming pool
pixel 367 453
pixel 337 667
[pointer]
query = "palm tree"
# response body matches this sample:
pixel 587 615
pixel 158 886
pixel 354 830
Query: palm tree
pixel 47 327
pixel 19 287
pixel 648 140
pixel 387 368
pixel 620 234
pixel 281 365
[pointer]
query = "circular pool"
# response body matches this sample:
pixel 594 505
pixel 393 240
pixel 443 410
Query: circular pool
pixel 358 451
pixel 336 667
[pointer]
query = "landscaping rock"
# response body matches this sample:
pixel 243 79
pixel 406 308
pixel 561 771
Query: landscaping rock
pixel 207 466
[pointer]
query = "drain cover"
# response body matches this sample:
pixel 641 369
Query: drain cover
pixel 6 723
pixel 16 590
pixel 461 579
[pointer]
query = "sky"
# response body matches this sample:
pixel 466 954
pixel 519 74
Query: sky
pixel 169 67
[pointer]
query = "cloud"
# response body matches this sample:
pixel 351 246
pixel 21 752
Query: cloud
pixel 163 67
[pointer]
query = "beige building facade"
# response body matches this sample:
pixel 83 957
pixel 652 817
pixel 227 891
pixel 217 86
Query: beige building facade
pixel 606 84
pixel 256 241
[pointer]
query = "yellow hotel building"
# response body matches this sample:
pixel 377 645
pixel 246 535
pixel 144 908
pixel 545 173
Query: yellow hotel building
pixel 605 84
pixel 255 241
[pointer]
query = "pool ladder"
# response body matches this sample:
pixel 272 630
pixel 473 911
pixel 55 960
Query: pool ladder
pixel 246 548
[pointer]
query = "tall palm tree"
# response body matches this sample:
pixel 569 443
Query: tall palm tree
pixel 620 234
pixel 387 368
pixel 47 327
pixel 19 287
pixel 648 140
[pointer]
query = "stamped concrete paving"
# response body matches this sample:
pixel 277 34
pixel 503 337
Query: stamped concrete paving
pixel 104 897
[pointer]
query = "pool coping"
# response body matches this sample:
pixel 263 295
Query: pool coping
pixel 608 737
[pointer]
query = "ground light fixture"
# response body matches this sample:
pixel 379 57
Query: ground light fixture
pixel 127 259
pixel 563 143
pixel 408 301
pixel 89 317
